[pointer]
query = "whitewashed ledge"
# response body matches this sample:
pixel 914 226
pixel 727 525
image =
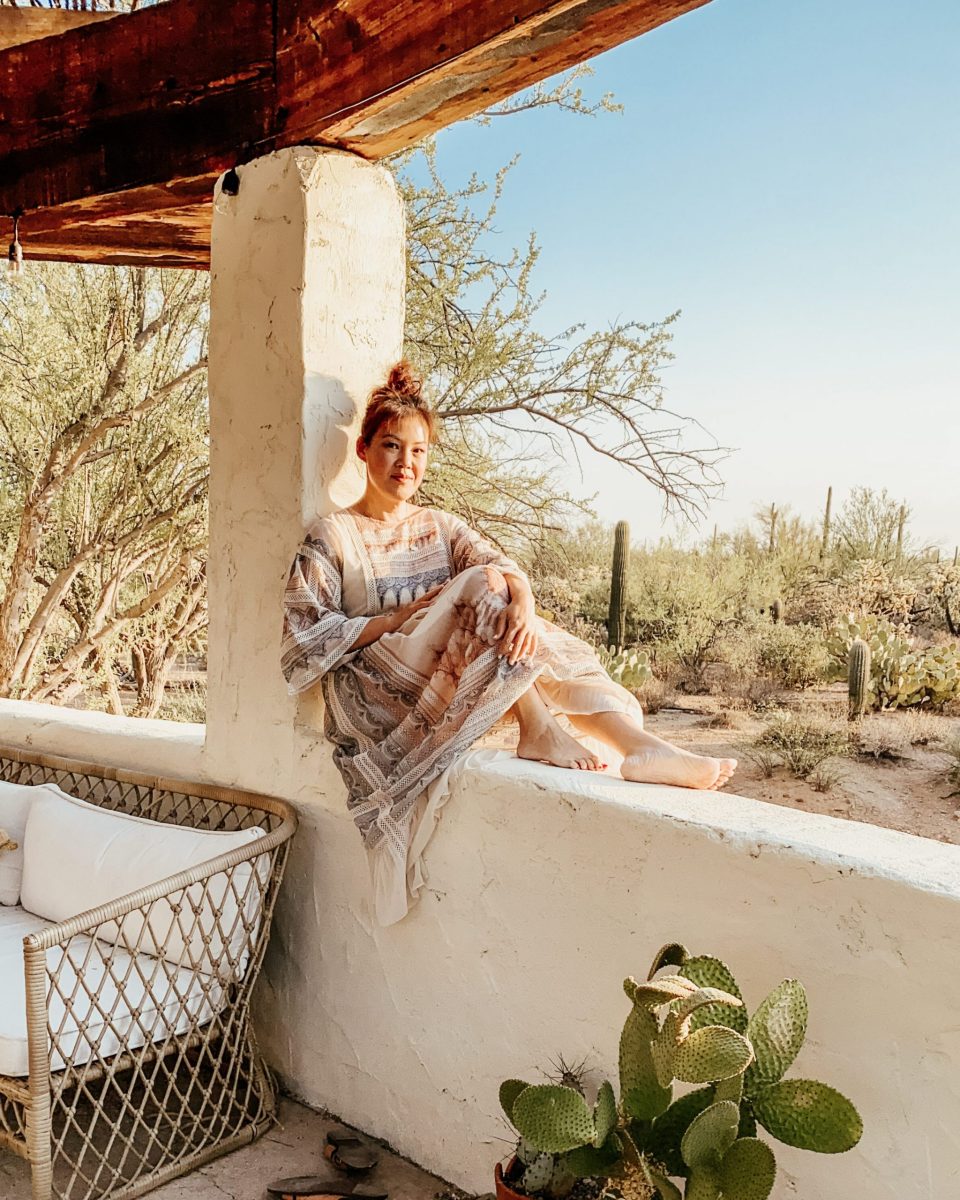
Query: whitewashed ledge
pixel 545 889
pixel 165 747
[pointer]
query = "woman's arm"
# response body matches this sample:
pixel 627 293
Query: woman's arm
pixel 517 624
pixel 391 620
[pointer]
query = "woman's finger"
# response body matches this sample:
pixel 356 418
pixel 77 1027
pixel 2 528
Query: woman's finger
pixel 519 648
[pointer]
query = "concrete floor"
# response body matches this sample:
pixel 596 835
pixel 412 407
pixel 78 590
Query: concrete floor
pixel 295 1147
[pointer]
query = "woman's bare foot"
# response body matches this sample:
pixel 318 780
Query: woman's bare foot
pixel 550 744
pixel 671 765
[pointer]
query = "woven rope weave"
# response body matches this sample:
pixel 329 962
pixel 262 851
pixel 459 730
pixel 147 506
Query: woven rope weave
pixel 123 1096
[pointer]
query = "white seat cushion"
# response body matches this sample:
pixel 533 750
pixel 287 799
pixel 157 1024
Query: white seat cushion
pixel 158 999
pixel 78 856
pixel 15 802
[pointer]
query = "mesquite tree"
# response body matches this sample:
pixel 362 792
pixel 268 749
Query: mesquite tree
pixel 103 438
pixel 104 459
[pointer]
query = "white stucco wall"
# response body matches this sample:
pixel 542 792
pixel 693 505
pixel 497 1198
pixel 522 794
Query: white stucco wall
pixel 546 888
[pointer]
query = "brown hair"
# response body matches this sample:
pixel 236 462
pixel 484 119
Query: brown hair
pixel 399 397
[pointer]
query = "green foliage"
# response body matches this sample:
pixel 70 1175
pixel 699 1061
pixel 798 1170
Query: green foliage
pixel 870 525
pixel 792 655
pixel 683 605
pixel 902 675
pixel 104 459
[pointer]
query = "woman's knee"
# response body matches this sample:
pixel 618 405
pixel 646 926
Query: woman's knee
pixel 482 582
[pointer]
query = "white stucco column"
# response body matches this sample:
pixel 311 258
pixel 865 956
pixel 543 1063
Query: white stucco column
pixel 307 302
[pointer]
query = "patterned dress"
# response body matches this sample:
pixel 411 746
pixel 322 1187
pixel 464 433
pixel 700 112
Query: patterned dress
pixel 403 709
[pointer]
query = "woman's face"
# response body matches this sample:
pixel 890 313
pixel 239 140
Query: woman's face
pixel 397 457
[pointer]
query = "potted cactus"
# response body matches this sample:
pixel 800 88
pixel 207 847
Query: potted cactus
pixel 687 1025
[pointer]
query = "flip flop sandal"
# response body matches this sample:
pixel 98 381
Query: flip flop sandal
pixel 315 1187
pixel 348 1153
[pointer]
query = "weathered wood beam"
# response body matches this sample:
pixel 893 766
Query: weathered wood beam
pixel 19 25
pixel 96 123
pixel 376 77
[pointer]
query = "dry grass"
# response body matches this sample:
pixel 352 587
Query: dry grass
pixel 826 776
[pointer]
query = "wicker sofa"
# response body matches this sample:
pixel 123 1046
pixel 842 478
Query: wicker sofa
pixel 132 1059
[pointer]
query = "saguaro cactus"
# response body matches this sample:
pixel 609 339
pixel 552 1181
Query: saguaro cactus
pixel 858 677
pixel 774 514
pixel 901 522
pixel 825 541
pixel 617 616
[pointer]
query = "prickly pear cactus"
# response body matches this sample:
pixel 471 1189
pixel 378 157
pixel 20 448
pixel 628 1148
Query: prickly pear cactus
pixel 809 1115
pixel 630 668
pixel 748 1170
pixel 858 678
pixel 714 1052
pixel 553 1118
pixel 707 1137
pixel 777 1031
pixel 617 616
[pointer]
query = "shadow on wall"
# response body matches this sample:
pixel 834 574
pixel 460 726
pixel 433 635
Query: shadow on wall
pixel 332 474
pixel 331 424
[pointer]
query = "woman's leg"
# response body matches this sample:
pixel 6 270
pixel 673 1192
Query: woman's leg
pixel 649 759
pixel 542 739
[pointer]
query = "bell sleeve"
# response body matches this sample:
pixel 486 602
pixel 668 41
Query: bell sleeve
pixel 317 634
pixel 469 549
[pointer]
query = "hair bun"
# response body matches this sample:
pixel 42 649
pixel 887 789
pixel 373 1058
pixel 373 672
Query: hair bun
pixel 403 381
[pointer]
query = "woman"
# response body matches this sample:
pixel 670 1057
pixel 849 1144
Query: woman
pixel 424 635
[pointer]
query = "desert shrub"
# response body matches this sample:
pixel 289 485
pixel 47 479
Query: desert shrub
pixel 754 692
pixel 938 602
pixel 902 674
pixel 766 760
pixel 792 655
pixel 801 743
pixel 656 694
pixel 952 751
pixel 866 587
pixel 683 603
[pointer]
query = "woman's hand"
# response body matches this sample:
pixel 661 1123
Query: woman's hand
pixel 403 612
pixel 516 629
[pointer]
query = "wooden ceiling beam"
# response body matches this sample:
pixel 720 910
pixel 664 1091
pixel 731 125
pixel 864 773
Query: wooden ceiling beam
pixel 101 126
pixel 19 25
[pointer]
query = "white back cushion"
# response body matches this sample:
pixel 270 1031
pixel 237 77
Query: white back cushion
pixel 15 801
pixel 78 856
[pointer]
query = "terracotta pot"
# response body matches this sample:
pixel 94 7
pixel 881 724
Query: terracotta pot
pixel 504 1190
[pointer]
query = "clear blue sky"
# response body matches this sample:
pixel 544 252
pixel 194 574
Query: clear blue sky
pixel 788 175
